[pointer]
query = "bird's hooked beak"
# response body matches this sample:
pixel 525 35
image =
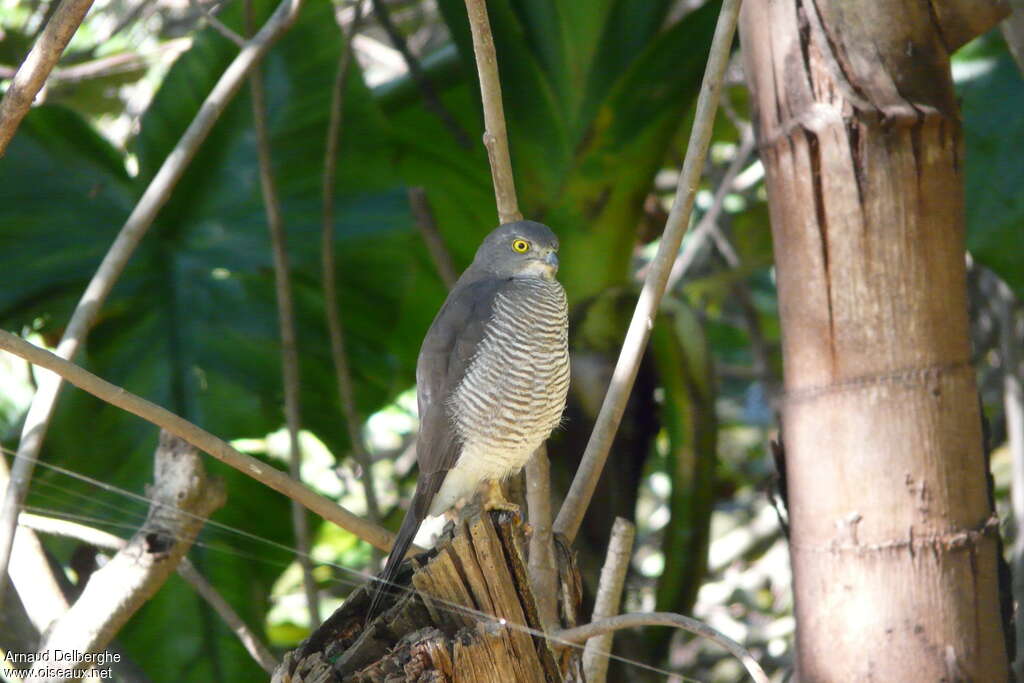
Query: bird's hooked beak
pixel 540 264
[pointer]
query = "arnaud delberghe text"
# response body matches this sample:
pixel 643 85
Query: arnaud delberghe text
pixel 63 657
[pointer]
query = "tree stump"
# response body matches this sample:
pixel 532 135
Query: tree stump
pixel 459 616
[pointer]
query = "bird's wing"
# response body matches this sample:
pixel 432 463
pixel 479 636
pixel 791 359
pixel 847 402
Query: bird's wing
pixel 448 349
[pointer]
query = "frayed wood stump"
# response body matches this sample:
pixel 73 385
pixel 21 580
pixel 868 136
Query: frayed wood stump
pixel 424 636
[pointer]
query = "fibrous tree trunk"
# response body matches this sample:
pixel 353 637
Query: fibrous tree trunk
pixel 466 612
pixel 893 538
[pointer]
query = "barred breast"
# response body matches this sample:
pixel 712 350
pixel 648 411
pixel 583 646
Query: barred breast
pixel 514 390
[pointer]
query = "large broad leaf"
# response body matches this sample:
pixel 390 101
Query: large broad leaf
pixel 584 171
pixel 600 201
pixel 993 137
pixel 192 323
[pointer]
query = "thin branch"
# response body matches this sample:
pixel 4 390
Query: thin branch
pixel 182 497
pixel 217 25
pixel 286 328
pixel 609 597
pixel 431 100
pixel 94 68
pixel 432 236
pixel 200 438
pixel 583 633
pixel 332 309
pixel 1013 32
pixel 102 539
pixel 578 499
pixel 126 20
pixel 37 66
pixel 250 641
pixel 37 420
pixel 542 567
pixel 495 135
pixel 708 224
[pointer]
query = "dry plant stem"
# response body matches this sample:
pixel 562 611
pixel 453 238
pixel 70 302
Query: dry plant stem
pixel 252 644
pixel 94 68
pixel 37 66
pixel 708 225
pixel 432 236
pixel 182 497
pixel 289 339
pixel 431 100
pixel 862 149
pixel 583 633
pixel 609 597
pixel 495 135
pixel 541 566
pixel 1013 32
pixel 575 506
pixel 339 355
pixel 217 25
pixel 32 576
pixel 38 418
pixel 102 539
pixel 201 439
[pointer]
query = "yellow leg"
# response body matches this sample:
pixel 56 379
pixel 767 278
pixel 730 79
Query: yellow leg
pixel 493 498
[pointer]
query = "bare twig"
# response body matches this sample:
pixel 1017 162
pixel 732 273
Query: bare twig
pixel 495 135
pixel 250 641
pixel 37 66
pixel 201 439
pixel 94 68
pixel 609 597
pixel 431 100
pixel 432 236
pixel 583 485
pixel 583 633
pixel 124 21
pixel 1013 32
pixel 542 567
pixel 102 539
pixel 286 328
pixel 708 224
pixel 182 498
pixel 38 418
pixel 217 25
pixel 332 309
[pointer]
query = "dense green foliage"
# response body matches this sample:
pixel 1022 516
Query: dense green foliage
pixel 596 94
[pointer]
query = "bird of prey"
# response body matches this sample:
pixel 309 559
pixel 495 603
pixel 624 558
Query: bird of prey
pixel 491 379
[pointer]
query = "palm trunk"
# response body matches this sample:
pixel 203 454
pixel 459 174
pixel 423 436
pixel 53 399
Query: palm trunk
pixel 893 539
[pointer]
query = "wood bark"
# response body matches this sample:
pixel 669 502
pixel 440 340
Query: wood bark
pixel 893 539
pixel 425 636
pixel 183 497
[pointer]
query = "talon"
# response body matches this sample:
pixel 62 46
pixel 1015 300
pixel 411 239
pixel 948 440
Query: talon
pixel 493 499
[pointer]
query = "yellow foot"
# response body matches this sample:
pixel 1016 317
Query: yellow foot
pixel 493 499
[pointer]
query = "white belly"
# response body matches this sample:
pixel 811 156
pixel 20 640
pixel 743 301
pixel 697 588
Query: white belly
pixel 474 466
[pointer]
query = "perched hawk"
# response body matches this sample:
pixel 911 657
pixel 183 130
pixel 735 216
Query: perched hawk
pixel 492 376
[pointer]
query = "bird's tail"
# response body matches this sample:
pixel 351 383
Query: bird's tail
pixel 383 584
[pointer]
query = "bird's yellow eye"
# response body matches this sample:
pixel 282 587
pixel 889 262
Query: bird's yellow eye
pixel 520 246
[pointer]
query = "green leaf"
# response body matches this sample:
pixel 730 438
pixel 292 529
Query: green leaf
pixel 64 192
pixel 993 137
pixel 683 358
pixel 601 200
pixel 627 33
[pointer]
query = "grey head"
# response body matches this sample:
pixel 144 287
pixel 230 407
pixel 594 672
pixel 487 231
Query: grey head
pixel 520 249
